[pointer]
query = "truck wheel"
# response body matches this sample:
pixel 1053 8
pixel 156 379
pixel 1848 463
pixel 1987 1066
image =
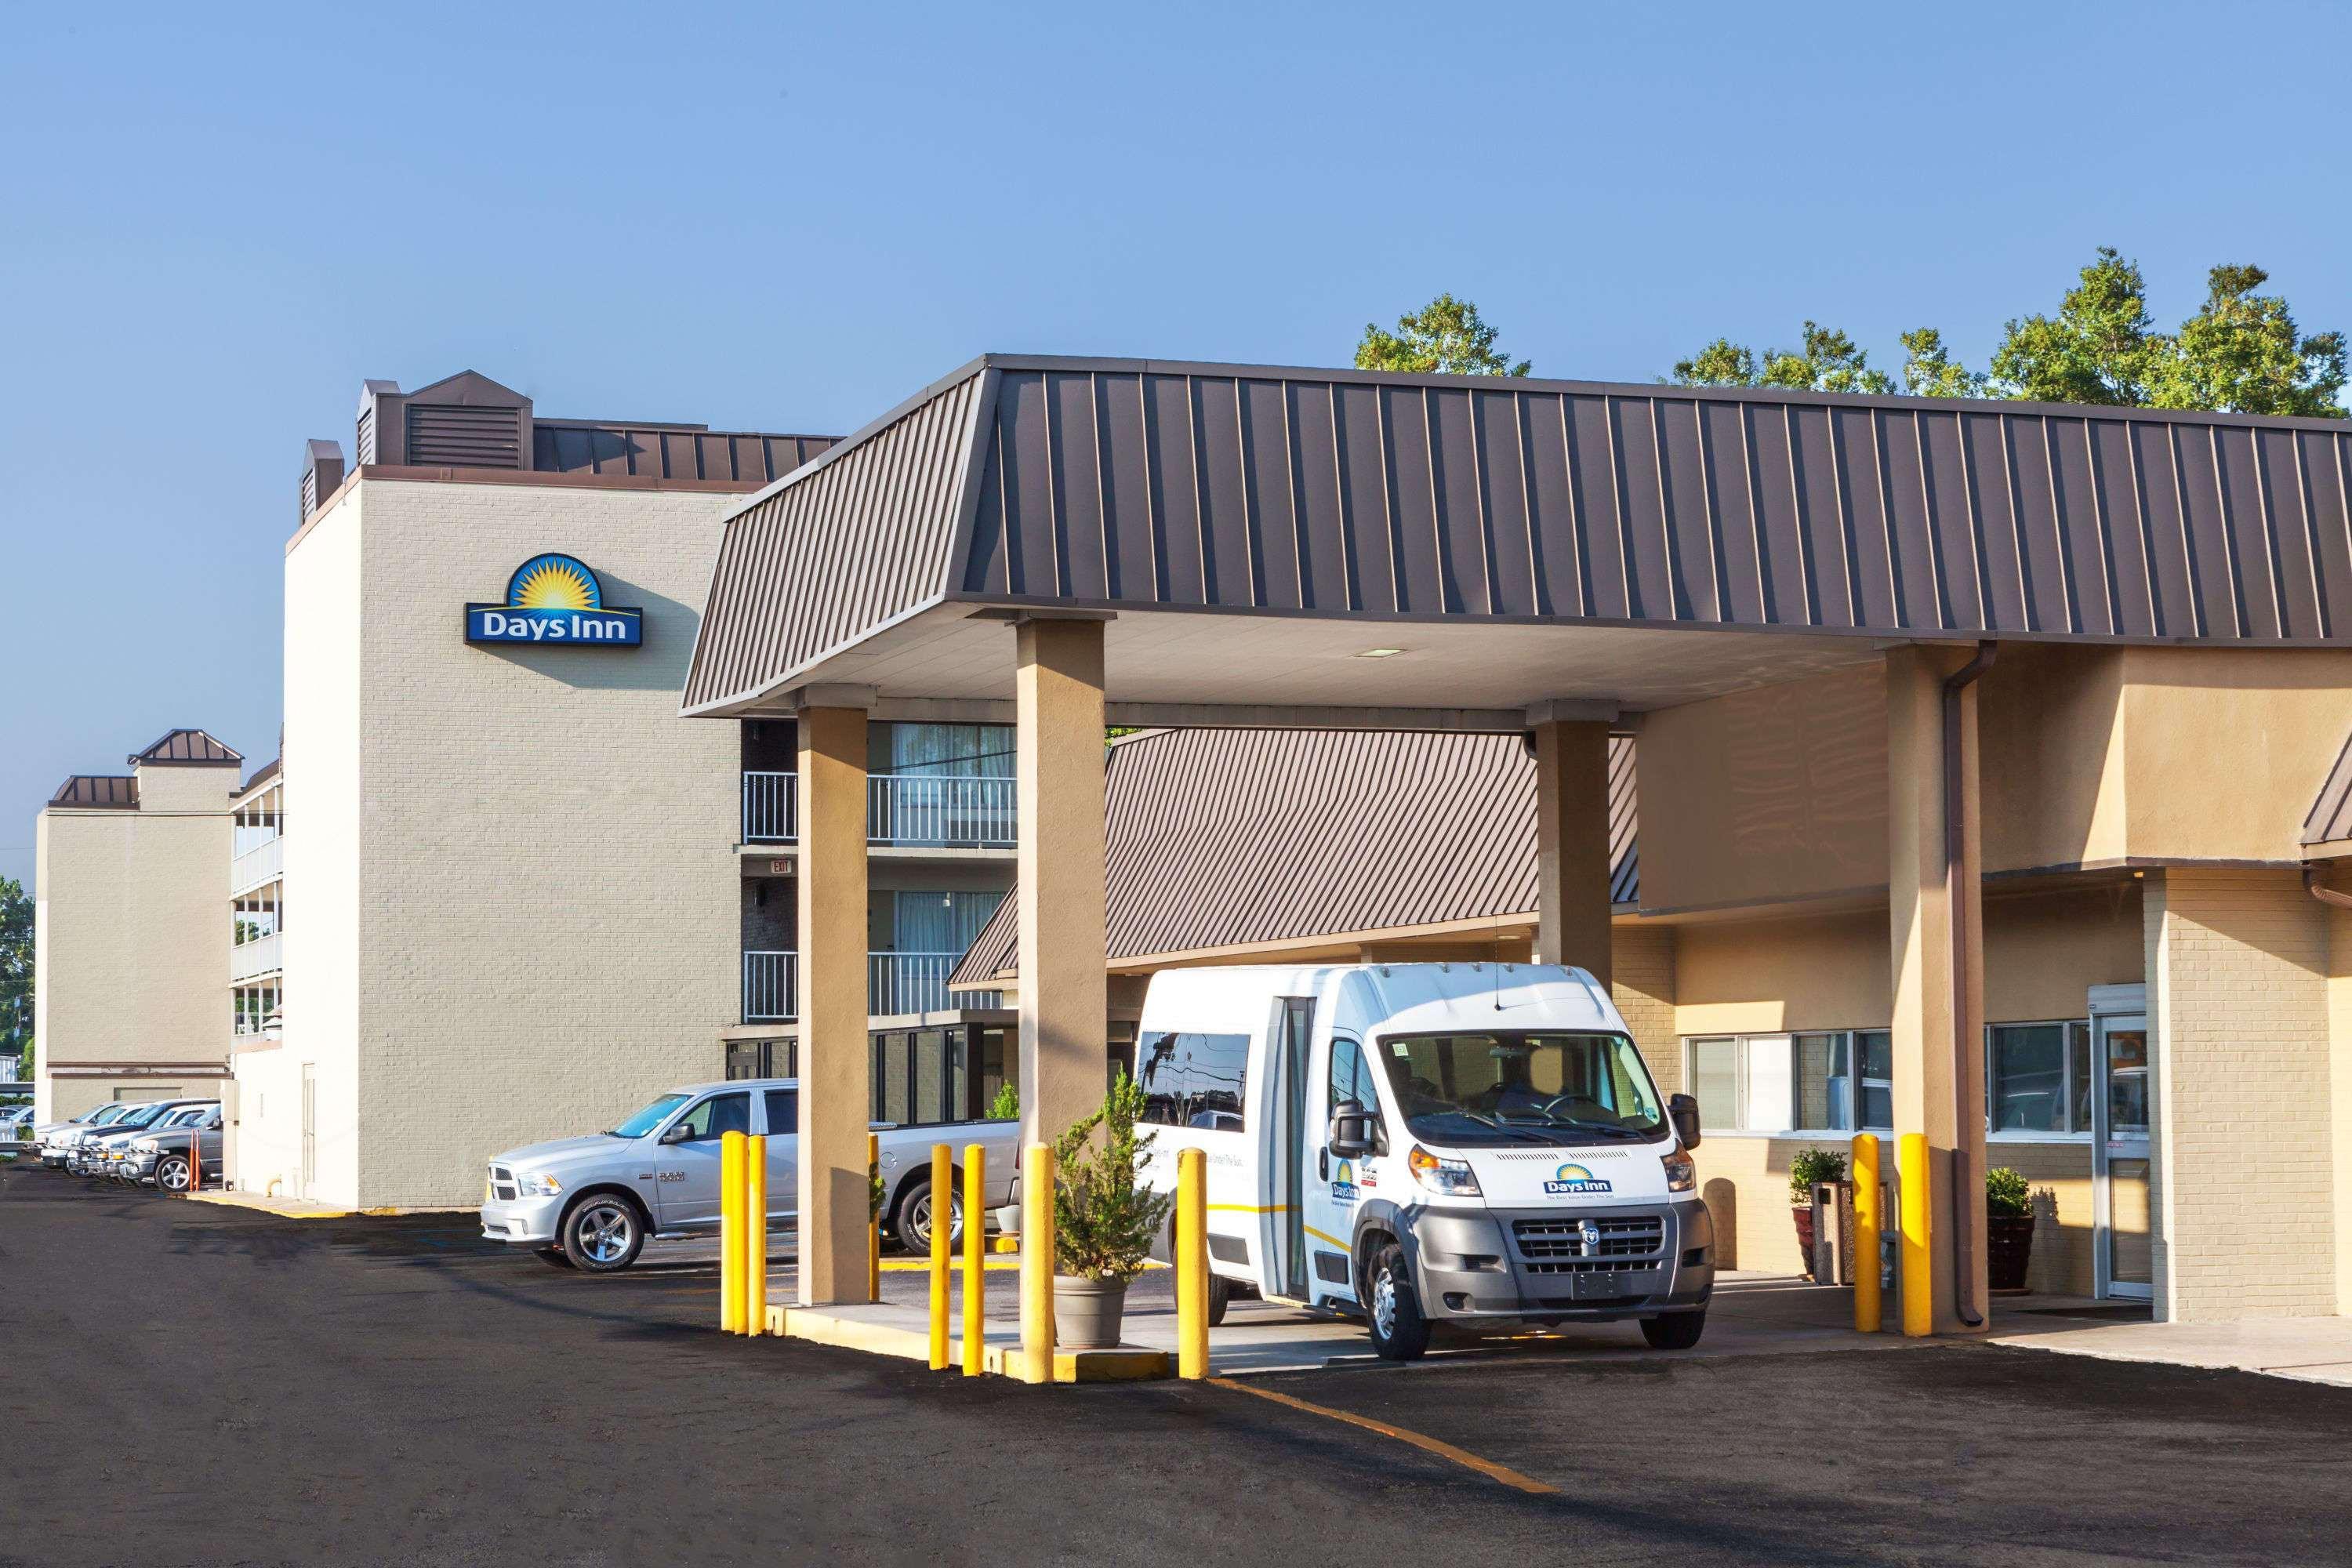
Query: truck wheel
pixel 1674 1331
pixel 1221 1294
pixel 172 1173
pixel 602 1233
pixel 1399 1331
pixel 914 1224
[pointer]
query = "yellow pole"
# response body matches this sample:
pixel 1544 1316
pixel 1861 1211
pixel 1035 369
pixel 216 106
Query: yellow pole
pixel 755 1235
pixel 1918 1277
pixel 873 1225
pixel 1867 1308
pixel 1192 1264
pixel 730 1249
pixel 1037 1265
pixel 943 1199
pixel 975 1260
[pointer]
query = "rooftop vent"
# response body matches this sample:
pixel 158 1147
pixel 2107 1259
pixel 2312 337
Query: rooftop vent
pixel 454 435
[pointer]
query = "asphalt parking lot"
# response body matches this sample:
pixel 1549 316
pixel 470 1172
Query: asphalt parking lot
pixel 195 1384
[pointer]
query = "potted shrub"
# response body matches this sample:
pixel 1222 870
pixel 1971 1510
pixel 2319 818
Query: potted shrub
pixel 1809 1168
pixel 2009 1229
pixel 1104 1224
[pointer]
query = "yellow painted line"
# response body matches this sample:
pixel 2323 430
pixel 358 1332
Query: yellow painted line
pixel 1249 1208
pixel 923 1266
pixel 1444 1450
pixel 1326 1236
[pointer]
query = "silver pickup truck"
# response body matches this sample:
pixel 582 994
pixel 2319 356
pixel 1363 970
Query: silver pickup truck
pixel 591 1203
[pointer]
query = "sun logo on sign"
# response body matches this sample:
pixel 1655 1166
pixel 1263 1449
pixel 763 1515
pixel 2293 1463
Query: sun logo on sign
pixel 553 582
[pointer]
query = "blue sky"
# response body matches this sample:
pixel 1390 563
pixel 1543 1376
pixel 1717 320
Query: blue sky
pixel 221 219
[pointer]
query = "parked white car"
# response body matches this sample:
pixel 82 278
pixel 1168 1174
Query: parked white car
pixel 1414 1142
pixel 592 1202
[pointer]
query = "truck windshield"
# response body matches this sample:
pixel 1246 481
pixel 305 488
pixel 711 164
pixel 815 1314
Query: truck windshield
pixel 651 1117
pixel 1522 1087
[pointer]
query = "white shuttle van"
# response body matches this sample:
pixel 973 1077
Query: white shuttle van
pixel 1411 1142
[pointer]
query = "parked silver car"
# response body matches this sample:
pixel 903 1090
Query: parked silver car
pixel 65 1147
pixel 591 1203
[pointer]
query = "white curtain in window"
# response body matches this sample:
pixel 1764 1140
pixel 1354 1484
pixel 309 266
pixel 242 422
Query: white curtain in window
pixel 940 921
pixel 951 751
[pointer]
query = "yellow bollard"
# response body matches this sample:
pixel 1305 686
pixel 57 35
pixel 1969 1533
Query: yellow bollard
pixel 873 1225
pixel 1037 1265
pixel 731 1248
pixel 1192 1263
pixel 755 1235
pixel 975 1260
pixel 1918 1269
pixel 1867 1308
pixel 942 1216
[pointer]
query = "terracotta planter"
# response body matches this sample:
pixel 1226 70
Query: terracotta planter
pixel 2009 1248
pixel 1086 1312
pixel 1803 1214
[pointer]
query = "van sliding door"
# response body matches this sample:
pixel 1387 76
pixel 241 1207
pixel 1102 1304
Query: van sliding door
pixel 1284 1235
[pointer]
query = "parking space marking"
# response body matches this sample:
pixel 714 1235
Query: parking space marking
pixel 1444 1450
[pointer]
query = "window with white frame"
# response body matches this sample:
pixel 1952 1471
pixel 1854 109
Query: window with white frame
pixel 1817 1082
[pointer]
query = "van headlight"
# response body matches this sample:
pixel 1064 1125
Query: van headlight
pixel 1452 1177
pixel 1682 1171
pixel 539 1186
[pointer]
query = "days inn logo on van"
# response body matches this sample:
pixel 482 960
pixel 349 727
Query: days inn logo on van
pixel 1343 1183
pixel 555 598
pixel 1574 1179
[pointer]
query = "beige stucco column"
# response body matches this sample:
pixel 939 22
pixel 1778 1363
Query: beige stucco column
pixel 1938 1087
pixel 1572 845
pixel 836 1095
pixel 1064 1003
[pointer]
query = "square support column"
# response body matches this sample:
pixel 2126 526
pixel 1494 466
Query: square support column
pixel 836 1097
pixel 1065 1003
pixel 1572 845
pixel 1939 1017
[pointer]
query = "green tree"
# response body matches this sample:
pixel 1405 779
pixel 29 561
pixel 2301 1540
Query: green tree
pixel 1446 336
pixel 1929 371
pixel 2098 348
pixel 1829 361
pixel 2244 354
pixel 16 968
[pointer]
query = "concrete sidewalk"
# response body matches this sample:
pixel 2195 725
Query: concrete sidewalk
pixel 2317 1350
pixel 1752 1314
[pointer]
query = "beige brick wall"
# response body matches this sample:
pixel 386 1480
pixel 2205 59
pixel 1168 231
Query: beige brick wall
pixel 2238 1002
pixel 130 941
pixel 528 854
pixel 1641 983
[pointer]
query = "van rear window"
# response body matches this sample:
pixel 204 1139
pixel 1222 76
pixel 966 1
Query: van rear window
pixel 1193 1080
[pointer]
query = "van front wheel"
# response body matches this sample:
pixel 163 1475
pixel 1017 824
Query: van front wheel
pixel 1674 1331
pixel 1399 1331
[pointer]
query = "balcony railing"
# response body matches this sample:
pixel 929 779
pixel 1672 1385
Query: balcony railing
pixel 264 862
pixel 908 810
pixel 896 982
pixel 257 956
pixel 770 807
pixel 962 813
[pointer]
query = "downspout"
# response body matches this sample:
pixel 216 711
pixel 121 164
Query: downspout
pixel 1968 1088
pixel 2318 890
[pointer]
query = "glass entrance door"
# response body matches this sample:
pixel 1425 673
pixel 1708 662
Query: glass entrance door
pixel 2124 1234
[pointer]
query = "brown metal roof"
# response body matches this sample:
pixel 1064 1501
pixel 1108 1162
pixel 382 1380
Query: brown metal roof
pixel 1219 839
pixel 2330 820
pixel 109 791
pixel 1112 483
pixel 186 748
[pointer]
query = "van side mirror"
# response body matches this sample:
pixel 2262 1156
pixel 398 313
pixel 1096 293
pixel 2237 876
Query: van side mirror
pixel 1351 1133
pixel 1683 1110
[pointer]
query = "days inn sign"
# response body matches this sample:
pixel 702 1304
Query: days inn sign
pixel 554 598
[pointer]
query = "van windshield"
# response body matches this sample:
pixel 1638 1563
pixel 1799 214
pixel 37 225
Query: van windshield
pixel 1522 1087
pixel 651 1117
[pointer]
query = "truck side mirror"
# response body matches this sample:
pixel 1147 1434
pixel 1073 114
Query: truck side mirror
pixel 1351 1133
pixel 1684 1111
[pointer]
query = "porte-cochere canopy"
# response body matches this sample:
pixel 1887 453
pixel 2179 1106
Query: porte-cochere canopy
pixel 1256 530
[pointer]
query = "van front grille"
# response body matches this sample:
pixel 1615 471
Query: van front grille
pixel 1560 1247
